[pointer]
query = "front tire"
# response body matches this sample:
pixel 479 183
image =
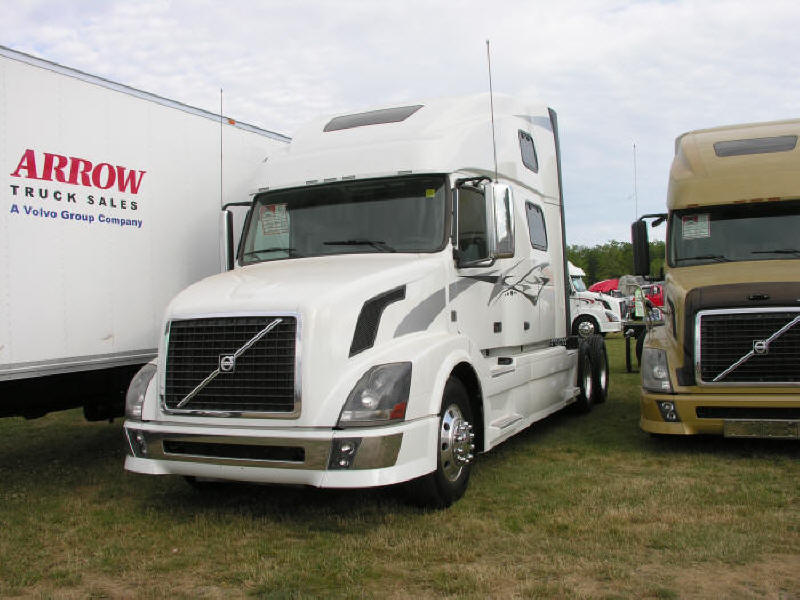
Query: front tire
pixel 585 326
pixel 455 447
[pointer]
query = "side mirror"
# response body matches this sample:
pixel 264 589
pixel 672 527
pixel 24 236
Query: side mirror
pixel 500 220
pixel 641 248
pixel 226 255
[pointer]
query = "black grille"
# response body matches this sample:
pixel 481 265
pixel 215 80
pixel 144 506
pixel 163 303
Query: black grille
pixel 236 451
pixel 263 379
pixel 744 412
pixel 725 338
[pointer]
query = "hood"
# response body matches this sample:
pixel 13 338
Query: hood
pixel 301 285
pixel 587 295
pixel 680 281
pixel 327 295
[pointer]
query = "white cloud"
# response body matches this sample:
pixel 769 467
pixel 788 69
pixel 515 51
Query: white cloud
pixel 617 72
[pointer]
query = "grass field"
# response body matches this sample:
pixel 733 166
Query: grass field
pixel 576 507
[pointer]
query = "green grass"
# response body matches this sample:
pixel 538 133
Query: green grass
pixel 575 507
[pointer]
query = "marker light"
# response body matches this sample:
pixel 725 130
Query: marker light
pixel 134 399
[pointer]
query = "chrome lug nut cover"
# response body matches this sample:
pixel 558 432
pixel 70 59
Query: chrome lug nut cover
pixel 455 442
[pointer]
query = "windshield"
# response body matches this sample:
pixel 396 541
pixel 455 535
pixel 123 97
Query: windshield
pixel 738 232
pixel 578 284
pixel 402 214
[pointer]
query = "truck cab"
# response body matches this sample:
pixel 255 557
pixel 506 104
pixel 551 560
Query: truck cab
pixel 592 312
pixel 396 305
pixel 726 359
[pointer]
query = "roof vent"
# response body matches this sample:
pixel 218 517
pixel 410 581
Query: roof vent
pixel 372 117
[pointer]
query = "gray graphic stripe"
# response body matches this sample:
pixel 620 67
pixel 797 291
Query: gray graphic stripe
pixel 423 314
pixel 461 285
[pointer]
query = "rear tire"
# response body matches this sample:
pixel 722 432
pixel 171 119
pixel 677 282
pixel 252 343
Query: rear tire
pixel 585 381
pixel 600 378
pixel 449 481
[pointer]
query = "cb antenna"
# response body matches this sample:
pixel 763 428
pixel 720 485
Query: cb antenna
pixel 491 107
pixel 221 199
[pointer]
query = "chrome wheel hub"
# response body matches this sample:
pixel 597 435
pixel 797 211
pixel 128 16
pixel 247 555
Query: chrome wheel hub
pixel 456 442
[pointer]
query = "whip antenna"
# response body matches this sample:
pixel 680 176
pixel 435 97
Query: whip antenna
pixel 221 199
pixel 491 108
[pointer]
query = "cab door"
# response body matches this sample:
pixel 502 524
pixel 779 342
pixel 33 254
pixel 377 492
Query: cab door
pixel 476 274
pixel 539 278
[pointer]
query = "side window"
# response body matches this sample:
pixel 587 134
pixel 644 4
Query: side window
pixel 536 226
pixel 472 238
pixel 529 158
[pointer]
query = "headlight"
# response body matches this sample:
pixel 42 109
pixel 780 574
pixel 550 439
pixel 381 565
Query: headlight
pixel 379 397
pixel 655 373
pixel 134 399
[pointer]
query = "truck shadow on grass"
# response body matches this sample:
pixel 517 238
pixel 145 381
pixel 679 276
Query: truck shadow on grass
pixel 612 428
pixel 725 447
pixel 32 452
pixel 344 511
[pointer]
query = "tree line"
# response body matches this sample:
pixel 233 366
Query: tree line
pixel 612 259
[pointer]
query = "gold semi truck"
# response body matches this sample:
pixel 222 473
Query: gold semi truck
pixel 726 357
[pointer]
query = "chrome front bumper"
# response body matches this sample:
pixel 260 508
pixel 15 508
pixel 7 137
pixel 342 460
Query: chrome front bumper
pixel 298 453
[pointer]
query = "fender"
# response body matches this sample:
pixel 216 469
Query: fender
pixel 434 356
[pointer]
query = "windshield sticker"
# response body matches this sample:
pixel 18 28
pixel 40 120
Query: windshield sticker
pixel 274 219
pixel 430 193
pixel 696 226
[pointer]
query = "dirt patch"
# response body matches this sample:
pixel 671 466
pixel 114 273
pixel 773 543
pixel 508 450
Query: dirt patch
pixel 777 577
pixel 165 586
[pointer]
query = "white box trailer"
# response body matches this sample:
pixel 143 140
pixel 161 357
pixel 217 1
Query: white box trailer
pixel 109 203
pixel 397 304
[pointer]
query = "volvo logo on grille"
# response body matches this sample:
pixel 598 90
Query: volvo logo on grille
pixel 227 363
pixel 760 346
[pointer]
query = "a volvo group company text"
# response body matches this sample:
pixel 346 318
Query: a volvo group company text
pixel 42 213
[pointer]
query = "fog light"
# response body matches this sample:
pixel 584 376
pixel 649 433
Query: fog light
pixel 343 453
pixel 137 443
pixel 668 411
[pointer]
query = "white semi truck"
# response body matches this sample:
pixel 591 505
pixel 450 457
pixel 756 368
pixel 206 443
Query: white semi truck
pixel 592 312
pixel 397 303
pixel 109 204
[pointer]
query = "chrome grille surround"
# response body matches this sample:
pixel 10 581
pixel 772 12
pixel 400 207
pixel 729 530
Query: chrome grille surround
pixel 741 343
pixel 221 412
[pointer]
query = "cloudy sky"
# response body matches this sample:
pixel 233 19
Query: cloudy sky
pixel 618 72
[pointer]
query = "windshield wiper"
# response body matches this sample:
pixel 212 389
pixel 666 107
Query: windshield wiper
pixel 383 246
pixel 778 251
pixel 714 257
pixel 289 251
